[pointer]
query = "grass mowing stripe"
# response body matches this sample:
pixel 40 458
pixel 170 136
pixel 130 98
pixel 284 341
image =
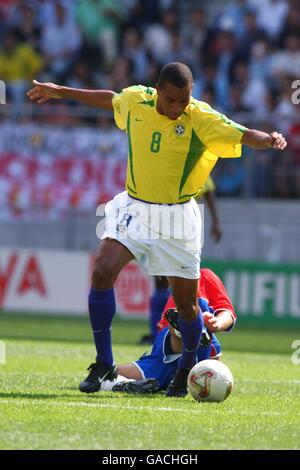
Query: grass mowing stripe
pixel 143 408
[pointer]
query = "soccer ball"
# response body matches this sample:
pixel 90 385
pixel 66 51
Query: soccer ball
pixel 210 380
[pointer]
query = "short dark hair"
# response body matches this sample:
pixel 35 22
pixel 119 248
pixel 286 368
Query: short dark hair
pixel 176 73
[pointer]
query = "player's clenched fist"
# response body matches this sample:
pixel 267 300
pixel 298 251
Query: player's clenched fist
pixel 277 141
pixel 42 92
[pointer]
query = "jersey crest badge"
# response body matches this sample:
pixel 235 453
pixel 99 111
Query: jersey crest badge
pixel 179 129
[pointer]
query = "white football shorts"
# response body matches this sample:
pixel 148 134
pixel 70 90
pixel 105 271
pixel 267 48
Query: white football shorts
pixel 166 238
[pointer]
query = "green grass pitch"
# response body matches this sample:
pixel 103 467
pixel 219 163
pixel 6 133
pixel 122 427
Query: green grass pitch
pixel 41 407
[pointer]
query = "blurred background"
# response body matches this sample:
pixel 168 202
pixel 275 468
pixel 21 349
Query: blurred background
pixel 59 161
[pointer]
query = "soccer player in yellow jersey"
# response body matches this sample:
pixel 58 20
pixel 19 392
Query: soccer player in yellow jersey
pixel 174 142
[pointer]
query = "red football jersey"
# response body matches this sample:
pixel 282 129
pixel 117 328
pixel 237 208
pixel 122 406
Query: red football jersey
pixel 212 289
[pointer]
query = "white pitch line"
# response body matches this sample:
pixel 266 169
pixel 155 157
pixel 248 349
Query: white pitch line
pixel 138 408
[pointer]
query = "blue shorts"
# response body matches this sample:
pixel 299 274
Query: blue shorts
pixel 160 364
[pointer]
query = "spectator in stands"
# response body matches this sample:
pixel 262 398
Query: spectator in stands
pixel 19 64
pixel 260 60
pixel 194 33
pixel 27 27
pixel 121 74
pixel 287 61
pixel 253 91
pixel 208 84
pixel 235 104
pixel 292 22
pixel 251 34
pixel 60 44
pixel 221 47
pixel 233 17
pixel 143 13
pixel 81 76
pixel 133 50
pixel 178 53
pixel 158 37
pixel 3 24
pixel 271 15
pixel 100 22
pixel 45 10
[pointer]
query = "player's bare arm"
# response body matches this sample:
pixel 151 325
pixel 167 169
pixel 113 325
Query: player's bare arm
pixel 263 141
pixel 42 92
pixel 221 322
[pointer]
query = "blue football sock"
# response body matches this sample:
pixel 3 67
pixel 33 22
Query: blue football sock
pixel 191 335
pixel 102 307
pixel 157 304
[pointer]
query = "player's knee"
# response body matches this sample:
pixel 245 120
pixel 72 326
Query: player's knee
pixel 103 275
pixel 187 310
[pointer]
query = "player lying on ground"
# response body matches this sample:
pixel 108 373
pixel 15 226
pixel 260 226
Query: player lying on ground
pixel 155 369
pixel 174 142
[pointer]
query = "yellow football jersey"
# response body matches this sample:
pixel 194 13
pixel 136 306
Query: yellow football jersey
pixel 170 161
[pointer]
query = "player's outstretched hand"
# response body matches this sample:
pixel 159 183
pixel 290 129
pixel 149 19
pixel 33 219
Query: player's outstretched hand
pixel 277 141
pixel 42 92
pixel 211 322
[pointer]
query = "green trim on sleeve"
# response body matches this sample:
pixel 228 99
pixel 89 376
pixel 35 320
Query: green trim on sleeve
pixel 233 123
pixel 239 127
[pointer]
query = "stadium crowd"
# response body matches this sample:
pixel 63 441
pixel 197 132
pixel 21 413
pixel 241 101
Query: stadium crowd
pixel 244 55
